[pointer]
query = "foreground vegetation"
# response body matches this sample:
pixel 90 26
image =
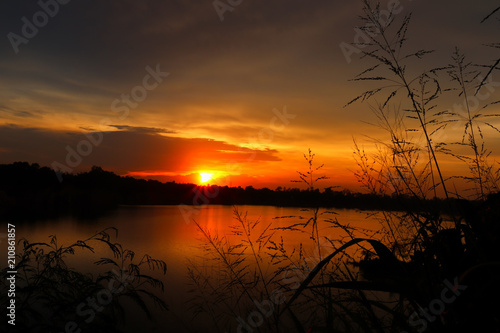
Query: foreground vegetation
pixel 53 295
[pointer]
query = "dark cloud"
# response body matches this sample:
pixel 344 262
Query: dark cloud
pixel 124 151
pixel 139 129
pixel 20 113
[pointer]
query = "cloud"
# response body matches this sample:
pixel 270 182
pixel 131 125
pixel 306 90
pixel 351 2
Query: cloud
pixel 131 150
pixel 20 113
pixel 139 129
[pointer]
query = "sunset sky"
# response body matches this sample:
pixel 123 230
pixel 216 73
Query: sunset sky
pixel 242 98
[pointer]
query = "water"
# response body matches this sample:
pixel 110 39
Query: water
pixel 170 233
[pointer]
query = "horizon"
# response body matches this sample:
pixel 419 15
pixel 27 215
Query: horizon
pixel 201 183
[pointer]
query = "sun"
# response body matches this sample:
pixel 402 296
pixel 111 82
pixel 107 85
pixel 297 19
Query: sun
pixel 205 177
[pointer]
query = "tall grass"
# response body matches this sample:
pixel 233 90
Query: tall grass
pixel 382 282
pixel 429 246
pixel 256 263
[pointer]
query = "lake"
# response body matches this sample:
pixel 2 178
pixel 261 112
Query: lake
pixel 170 233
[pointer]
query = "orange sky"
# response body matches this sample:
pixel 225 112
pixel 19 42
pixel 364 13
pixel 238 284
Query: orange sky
pixel 243 98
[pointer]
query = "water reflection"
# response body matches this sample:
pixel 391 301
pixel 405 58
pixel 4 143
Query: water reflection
pixel 164 233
